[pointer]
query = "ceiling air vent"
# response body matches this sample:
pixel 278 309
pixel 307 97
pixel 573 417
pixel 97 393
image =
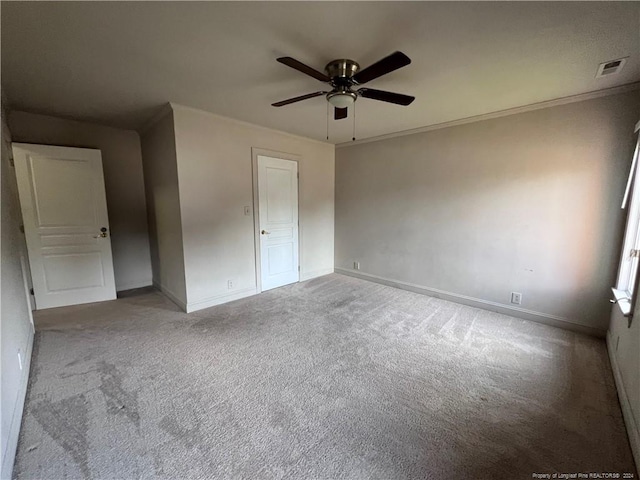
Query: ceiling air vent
pixel 611 67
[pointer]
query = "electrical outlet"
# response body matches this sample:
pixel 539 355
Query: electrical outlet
pixel 356 265
pixel 516 298
pixel 230 284
pixel 20 359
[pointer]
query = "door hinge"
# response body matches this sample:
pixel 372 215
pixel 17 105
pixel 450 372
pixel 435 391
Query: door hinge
pixel 31 291
pixel 298 175
pixel 298 267
pixel 11 161
pixel 22 228
pixel 634 253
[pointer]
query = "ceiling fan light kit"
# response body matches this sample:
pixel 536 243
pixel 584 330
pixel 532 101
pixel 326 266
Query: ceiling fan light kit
pixel 343 75
pixel 342 99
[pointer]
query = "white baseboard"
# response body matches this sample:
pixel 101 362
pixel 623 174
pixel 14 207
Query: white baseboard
pixel 627 412
pixel 523 313
pixel 131 285
pixel 9 455
pixel 314 274
pixel 220 299
pixel 171 296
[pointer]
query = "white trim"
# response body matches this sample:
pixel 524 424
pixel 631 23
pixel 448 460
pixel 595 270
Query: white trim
pixel 27 292
pixel 630 87
pixel 220 299
pixel 632 171
pixel 16 419
pixel 170 295
pixel 175 106
pixel 627 412
pixel 133 285
pixel 540 317
pixel 628 267
pixel 315 274
pixel 623 300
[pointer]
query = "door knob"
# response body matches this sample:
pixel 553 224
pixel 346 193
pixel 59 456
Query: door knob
pixel 264 232
pixel 102 234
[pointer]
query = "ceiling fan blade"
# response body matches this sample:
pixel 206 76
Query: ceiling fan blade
pixel 382 67
pixel 339 113
pixel 383 96
pixel 297 99
pixel 301 67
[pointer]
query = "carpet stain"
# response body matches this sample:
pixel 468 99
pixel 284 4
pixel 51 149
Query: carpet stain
pixel 66 421
pixel 78 361
pixel 190 437
pixel 119 400
pixel 346 302
pixel 211 324
pixel 297 384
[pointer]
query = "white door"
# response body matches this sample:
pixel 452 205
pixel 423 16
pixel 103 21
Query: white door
pixel 278 214
pixel 64 210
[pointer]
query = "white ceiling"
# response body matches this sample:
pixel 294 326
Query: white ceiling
pixel 116 63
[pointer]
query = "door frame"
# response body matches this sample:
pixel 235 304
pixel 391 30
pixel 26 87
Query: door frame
pixel 255 152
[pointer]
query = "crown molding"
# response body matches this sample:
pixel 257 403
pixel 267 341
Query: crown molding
pixel 630 87
pixel 176 106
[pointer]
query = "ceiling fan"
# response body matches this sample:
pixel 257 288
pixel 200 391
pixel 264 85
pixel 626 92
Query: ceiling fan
pixel 343 75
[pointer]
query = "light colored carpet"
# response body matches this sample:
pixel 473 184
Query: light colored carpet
pixel 334 378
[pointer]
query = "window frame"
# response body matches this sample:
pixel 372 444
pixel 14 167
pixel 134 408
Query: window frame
pixel 626 289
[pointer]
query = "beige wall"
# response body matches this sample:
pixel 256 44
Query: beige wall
pixel 527 203
pixel 16 327
pixel 214 168
pixel 122 164
pixel 163 200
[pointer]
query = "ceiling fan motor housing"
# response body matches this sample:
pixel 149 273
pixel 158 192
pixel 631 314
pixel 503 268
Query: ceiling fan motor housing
pixel 341 72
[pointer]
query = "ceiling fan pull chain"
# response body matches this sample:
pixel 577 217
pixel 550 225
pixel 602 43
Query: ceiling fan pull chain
pixel 353 138
pixel 327 120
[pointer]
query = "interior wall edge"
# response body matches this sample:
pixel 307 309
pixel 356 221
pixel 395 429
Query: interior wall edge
pixel 9 457
pixel 163 111
pixel 625 404
pixel 170 295
pixel 159 160
pixel 523 313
